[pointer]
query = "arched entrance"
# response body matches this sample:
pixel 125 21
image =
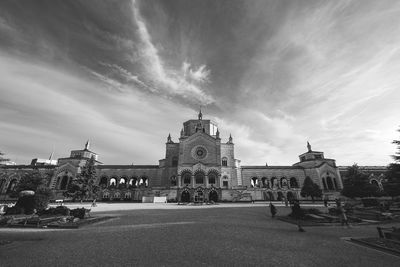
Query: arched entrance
pixel 213 196
pixel 290 196
pixel 199 195
pixel 185 196
pixel 280 196
pixel 271 196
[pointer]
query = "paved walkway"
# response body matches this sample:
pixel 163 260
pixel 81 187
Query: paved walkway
pixel 101 207
pixel 171 235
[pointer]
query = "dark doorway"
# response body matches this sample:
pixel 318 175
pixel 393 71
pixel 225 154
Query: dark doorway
pixel 185 197
pixel 290 197
pixel 271 196
pixel 213 196
pixel 280 196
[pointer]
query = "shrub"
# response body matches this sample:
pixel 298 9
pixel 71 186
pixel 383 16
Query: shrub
pixel 79 213
pixel 42 198
pixel 26 204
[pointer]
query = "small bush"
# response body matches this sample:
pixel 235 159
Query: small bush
pixel 79 213
pixel 26 204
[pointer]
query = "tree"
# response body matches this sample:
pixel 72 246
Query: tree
pixel 83 186
pixel 356 184
pixel 30 181
pixel 310 189
pixel 392 184
pixel 37 182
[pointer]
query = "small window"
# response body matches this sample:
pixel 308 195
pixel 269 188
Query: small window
pixel 186 178
pixel 174 161
pixel 318 156
pixel 303 158
pixel 225 183
pixel 173 180
pixel 224 161
pixel 211 178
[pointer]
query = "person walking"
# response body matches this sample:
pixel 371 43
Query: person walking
pixel 297 214
pixel 272 209
pixel 342 216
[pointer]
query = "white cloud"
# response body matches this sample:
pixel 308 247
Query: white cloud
pixel 167 80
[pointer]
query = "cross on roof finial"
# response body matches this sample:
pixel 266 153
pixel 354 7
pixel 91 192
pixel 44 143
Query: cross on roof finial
pixel 200 114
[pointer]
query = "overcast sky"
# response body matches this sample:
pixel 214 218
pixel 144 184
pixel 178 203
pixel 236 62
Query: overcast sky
pixel 275 74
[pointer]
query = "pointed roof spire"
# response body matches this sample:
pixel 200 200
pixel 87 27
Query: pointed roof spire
pixel 309 147
pixel 200 114
pixel 217 133
pixel 169 140
pixel 87 145
pixel 230 139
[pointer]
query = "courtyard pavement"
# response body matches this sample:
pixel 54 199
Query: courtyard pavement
pixel 147 234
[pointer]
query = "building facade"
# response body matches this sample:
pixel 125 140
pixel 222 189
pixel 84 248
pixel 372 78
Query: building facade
pixel 199 167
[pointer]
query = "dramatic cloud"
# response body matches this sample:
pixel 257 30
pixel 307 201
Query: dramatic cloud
pixel 275 74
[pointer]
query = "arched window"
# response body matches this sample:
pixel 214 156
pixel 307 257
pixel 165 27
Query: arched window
pixel 224 161
pixel 187 177
pixel 144 182
pixel 199 178
pixel 103 182
pixel 293 183
pixel 122 183
pixel 335 183
pixel 284 183
pixel 174 161
pixel 113 182
pixel 324 184
pixel 64 182
pixel 106 195
pixel 173 180
pixel 128 196
pixel 117 196
pixel 264 182
pixel 274 183
pixel 212 178
pixel 254 182
pixel 11 186
pixel 133 182
pixel 330 183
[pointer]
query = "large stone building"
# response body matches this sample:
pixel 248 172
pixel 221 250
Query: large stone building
pixel 198 167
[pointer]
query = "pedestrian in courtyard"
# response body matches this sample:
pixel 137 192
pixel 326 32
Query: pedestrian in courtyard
pixel 297 214
pixel 326 202
pixel 342 216
pixel 272 209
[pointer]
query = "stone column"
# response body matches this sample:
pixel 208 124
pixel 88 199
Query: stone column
pixel 179 181
pixel 206 182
